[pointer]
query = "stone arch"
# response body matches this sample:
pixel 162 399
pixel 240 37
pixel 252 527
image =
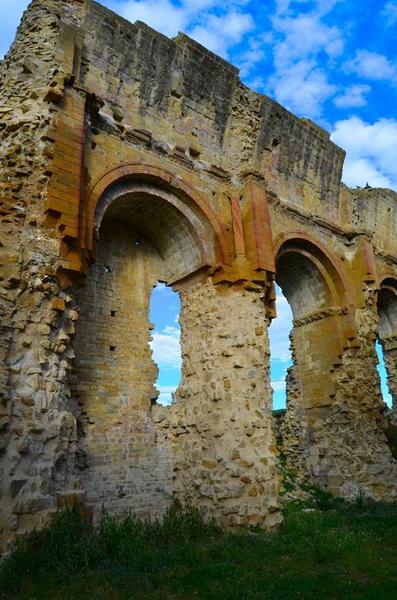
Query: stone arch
pixel 184 196
pixel 327 267
pixel 184 241
pixel 315 288
pixel 141 229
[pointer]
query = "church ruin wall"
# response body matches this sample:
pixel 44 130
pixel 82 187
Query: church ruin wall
pixel 130 158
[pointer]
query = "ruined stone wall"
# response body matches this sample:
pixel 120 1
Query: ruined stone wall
pixel 38 433
pixel 340 443
pixel 363 462
pixel 180 101
pixel 374 211
pixel 293 428
pixel 94 111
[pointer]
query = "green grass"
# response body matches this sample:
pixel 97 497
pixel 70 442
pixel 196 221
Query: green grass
pixel 345 551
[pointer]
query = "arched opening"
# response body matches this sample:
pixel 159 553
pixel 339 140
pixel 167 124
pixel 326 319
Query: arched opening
pixel 165 342
pixel 183 241
pixel 386 345
pixel 312 289
pixel 145 234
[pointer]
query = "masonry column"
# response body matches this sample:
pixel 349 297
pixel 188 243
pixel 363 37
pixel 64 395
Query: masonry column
pixel 221 420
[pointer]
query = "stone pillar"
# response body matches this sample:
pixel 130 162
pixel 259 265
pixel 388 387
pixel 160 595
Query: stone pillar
pixel 220 424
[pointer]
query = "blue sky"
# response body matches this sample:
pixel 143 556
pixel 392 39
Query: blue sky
pixel 334 61
pixel 164 313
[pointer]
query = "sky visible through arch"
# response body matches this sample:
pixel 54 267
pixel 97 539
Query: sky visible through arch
pixel 164 313
pixel 334 61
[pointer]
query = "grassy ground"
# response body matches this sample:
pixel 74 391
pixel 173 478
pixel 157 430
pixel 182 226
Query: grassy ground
pixel 339 552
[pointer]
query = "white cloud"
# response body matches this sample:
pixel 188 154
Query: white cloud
pixel 299 83
pixel 165 394
pixel 360 171
pixel 371 65
pixel 390 13
pixel 162 15
pixel 278 386
pixel 305 35
pixel 258 84
pixel 218 32
pixel 321 7
pixel 166 348
pixel 196 5
pixel 302 88
pixel 254 54
pixel 354 96
pixel 280 329
pixel 166 389
pixel 371 151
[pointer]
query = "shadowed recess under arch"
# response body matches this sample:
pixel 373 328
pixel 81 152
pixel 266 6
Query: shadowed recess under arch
pixel 184 241
pixel 309 279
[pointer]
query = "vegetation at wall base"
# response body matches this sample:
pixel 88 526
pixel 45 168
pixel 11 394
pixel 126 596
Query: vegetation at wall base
pixel 348 551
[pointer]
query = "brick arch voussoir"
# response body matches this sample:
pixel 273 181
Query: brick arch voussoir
pixel 163 178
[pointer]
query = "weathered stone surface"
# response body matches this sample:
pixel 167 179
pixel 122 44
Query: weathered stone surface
pixel 220 424
pixel 129 158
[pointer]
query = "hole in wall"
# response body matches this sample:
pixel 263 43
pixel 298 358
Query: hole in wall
pixel 194 153
pixel 112 313
pixel 165 344
pixel 112 348
pixel 280 354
